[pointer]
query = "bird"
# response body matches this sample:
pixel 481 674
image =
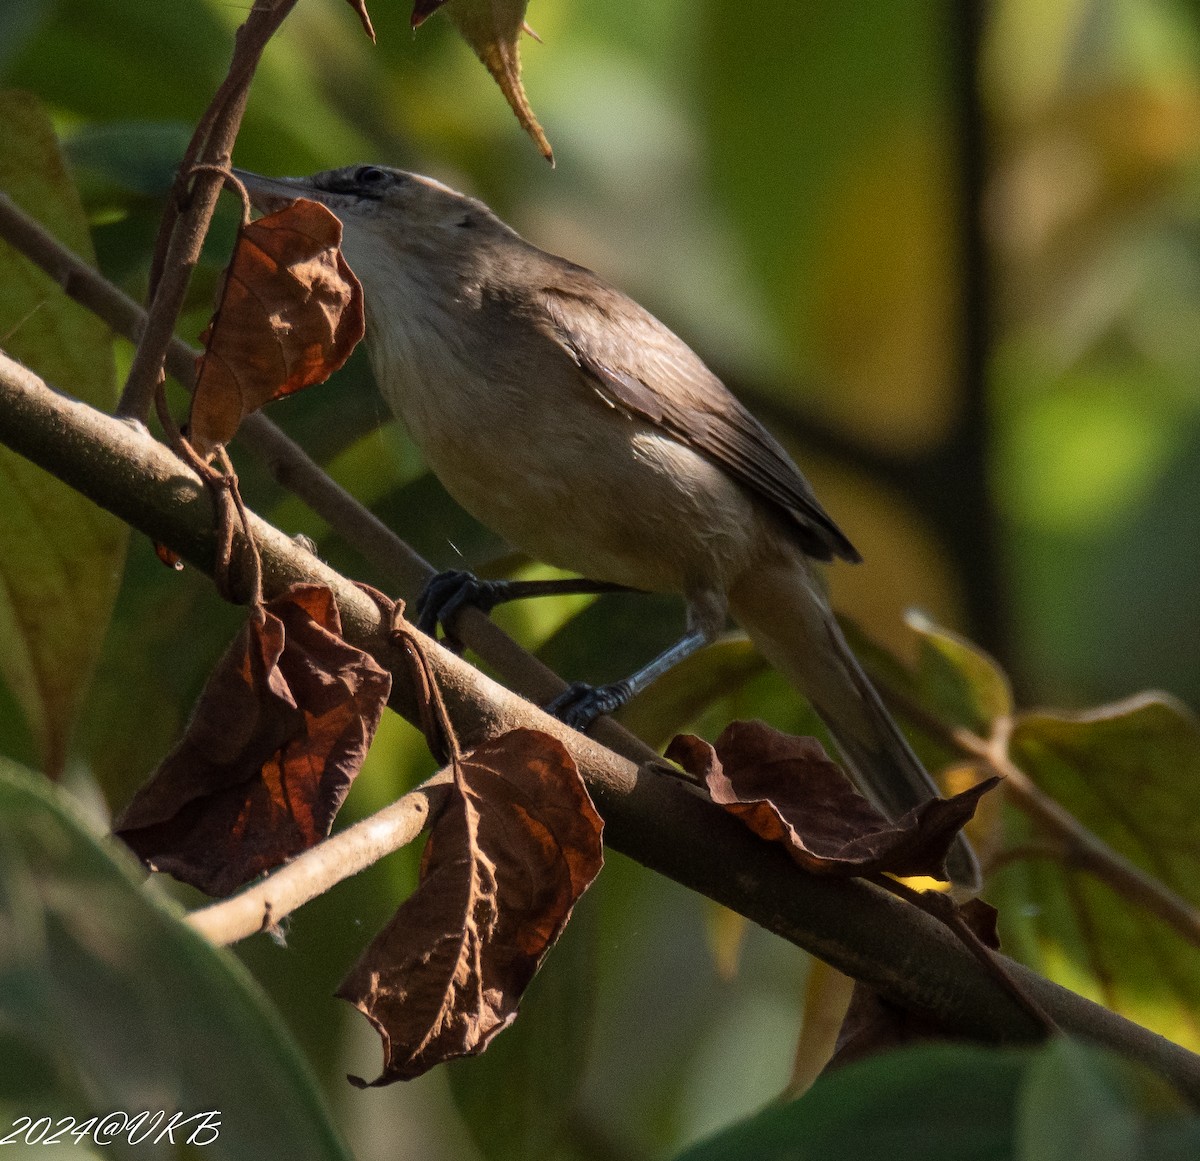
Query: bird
pixel 570 421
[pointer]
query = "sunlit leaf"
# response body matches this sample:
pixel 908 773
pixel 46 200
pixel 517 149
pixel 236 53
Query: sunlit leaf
pixel 787 790
pixel 360 8
pixel 1128 773
pixel 274 743
pixel 60 556
pixel 291 311
pixel 958 681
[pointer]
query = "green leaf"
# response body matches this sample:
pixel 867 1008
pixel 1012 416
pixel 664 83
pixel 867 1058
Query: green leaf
pixel 957 680
pixel 109 1001
pixel 60 556
pixel 518 1098
pixel 931 1102
pixel 1077 1101
pixel 1073 1105
pixel 1128 773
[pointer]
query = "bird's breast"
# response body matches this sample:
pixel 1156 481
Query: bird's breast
pixel 536 455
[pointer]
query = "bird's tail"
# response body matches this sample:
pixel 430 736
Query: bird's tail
pixel 787 616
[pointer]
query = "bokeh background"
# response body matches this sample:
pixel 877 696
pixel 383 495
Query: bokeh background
pixel 949 252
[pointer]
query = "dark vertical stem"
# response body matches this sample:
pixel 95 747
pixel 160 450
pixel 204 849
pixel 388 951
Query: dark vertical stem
pixel 184 228
pixel 963 468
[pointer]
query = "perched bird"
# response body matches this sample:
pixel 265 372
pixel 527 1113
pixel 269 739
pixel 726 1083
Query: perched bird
pixel 574 424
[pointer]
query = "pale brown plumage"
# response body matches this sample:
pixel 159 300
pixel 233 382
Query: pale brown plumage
pixel 569 420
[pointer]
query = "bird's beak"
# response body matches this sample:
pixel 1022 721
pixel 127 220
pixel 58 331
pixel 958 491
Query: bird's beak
pixel 269 194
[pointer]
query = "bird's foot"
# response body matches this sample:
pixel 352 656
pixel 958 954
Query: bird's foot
pixel 581 704
pixel 450 592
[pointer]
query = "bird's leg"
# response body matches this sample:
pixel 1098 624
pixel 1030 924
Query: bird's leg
pixel 449 592
pixel 581 704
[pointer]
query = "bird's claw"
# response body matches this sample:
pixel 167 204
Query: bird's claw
pixel 581 704
pixel 449 593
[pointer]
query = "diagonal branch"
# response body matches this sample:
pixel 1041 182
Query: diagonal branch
pixel 295 470
pixel 905 955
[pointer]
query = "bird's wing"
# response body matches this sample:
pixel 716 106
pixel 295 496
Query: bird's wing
pixel 606 333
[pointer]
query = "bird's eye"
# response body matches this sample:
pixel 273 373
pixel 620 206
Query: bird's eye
pixel 466 221
pixel 370 175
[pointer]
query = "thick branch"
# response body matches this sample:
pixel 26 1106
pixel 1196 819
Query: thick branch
pixel 858 928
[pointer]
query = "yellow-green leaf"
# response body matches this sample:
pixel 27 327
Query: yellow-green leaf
pixel 1128 773
pixel 957 680
pixel 61 557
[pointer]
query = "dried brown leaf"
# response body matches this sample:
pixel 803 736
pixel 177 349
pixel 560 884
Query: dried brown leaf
pixel 360 6
pixel 787 790
pixel 275 740
pixel 515 846
pixel 423 9
pixel 875 1025
pixel 290 313
pixel 493 29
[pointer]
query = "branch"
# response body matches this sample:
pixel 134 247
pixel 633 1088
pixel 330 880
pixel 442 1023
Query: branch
pixel 860 929
pixel 321 867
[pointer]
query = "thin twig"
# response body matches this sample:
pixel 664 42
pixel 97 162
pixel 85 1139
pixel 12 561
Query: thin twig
pixel 190 209
pixel 946 911
pixel 314 872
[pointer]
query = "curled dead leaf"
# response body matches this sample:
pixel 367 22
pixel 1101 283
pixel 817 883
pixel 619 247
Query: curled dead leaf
pixel 423 10
pixel 276 738
pixel 290 313
pixel 360 7
pixel 516 844
pixel 787 790
pixel 493 29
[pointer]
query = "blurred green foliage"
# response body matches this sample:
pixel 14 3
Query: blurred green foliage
pixel 108 1002
pixel 969 1104
pixel 784 182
